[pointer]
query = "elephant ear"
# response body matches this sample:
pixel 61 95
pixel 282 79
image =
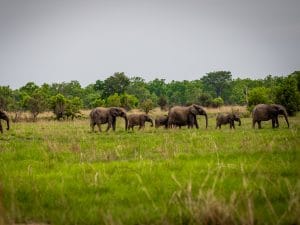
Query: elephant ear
pixel 114 111
pixel 193 110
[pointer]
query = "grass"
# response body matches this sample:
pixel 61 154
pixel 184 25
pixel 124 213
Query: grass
pixel 61 173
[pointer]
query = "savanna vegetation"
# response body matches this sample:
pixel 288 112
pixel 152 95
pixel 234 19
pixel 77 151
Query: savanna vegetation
pixel 213 89
pixel 54 170
pixel 58 172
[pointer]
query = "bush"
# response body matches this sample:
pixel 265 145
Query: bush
pixel 73 107
pixel 205 99
pixel 259 95
pixel 58 105
pixel 287 95
pixel 147 105
pixel 36 103
pixel 162 102
pixel 128 101
pixel 113 100
pixel 217 102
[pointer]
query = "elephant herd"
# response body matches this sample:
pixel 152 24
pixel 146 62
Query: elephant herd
pixel 177 116
pixel 183 116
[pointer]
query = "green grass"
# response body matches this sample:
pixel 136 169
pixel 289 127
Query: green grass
pixel 61 173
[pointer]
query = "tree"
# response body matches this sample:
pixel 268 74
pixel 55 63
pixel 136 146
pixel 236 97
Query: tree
pixel 217 82
pixel 147 105
pixel 162 102
pixel 138 88
pixel 29 88
pixel 288 95
pixel 58 105
pixel 117 83
pixel 6 97
pixel 205 99
pixel 157 86
pixel 36 103
pixel 259 95
pixel 113 100
pixel 217 102
pixel 73 106
pixel 128 101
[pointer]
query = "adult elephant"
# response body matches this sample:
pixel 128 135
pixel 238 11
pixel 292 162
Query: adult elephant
pixel 185 115
pixel 3 116
pixel 101 115
pixel 227 118
pixel 138 120
pixel 264 112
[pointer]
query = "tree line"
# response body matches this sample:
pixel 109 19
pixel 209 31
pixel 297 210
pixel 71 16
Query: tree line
pixel 213 89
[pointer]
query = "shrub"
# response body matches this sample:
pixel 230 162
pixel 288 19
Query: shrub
pixel 147 105
pixel 287 95
pixel 205 99
pixel 217 102
pixel 113 100
pixel 162 102
pixel 58 105
pixel 259 95
pixel 128 101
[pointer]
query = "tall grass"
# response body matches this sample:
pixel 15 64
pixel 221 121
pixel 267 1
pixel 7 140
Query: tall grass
pixel 62 173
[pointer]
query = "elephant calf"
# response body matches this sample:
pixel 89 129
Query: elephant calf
pixel 161 121
pixel 138 120
pixel 227 118
pixel 4 116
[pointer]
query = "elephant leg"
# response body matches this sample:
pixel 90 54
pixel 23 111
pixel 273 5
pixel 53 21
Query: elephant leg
pixel 233 125
pixel 276 122
pixel 108 126
pixel 99 127
pixel 259 124
pixel 92 125
pixel 273 123
pixel 1 129
pixel 253 124
pixel 114 124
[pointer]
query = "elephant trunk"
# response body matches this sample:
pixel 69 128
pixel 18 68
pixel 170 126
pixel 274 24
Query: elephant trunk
pixel 126 122
pixel 206 119
pixel 286 119
pixel 151 121
pixel 239 120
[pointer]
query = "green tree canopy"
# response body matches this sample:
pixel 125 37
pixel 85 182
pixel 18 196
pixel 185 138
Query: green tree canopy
pixel 216 82
pixel 117 83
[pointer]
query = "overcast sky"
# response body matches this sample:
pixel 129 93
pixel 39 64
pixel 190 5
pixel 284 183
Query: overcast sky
pixel 63 40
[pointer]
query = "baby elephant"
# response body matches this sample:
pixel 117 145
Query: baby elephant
pixel 138 120
pixel 227 118
pixel 161 121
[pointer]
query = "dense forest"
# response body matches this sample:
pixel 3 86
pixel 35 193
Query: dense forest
pixel 213 89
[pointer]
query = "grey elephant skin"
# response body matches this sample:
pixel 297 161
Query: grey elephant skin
pixel 101 115
pixel 229 118
pixel 265 112
pixel 161 121
pixel 3 116
pixel 138 120
pixel 185 116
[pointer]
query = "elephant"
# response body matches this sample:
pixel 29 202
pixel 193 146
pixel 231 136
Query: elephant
pixel 227 118
pixel 4 116
pixel 186 115
pixel 161 121
pixel 138 120
pixel 264 112
pixel 101 115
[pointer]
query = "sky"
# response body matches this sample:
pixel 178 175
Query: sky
pixel 47 41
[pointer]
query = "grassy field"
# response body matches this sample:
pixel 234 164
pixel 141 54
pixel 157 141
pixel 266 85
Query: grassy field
pixel 60 173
